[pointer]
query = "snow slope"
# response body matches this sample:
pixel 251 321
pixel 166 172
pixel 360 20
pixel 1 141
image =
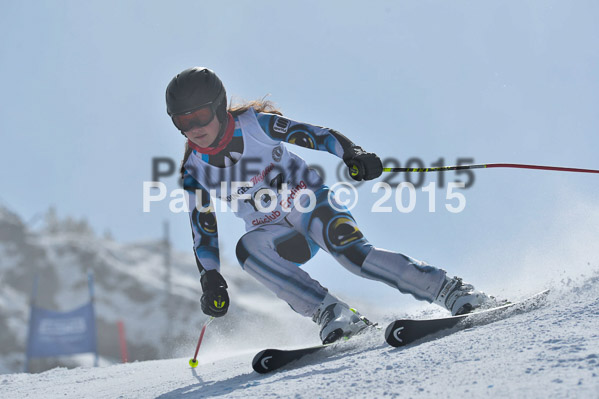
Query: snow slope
pixel 551 352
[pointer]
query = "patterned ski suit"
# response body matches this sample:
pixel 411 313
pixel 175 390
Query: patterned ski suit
pixel 281 235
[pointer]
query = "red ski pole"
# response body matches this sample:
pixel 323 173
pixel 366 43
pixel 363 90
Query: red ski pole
pixel 194 362
pixel 491 165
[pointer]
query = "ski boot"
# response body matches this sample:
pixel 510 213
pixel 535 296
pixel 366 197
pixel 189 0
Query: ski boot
pixel 461 298
pixel 337 320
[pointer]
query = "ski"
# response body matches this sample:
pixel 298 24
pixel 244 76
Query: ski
pixel 405 331
pixel 272 359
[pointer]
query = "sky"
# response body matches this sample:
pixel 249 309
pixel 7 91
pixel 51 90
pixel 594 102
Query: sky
pixel 82 115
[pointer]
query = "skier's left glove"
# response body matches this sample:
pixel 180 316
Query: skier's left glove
pixel 363 165
pixel 215 300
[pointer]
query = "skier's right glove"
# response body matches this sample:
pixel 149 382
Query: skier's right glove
pixel 215 300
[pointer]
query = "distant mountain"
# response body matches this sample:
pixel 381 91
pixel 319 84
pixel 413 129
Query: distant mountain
pixel 130 285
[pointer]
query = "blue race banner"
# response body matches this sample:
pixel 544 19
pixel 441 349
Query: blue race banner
pixel 61 333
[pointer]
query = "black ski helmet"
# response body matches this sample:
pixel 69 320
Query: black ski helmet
pixel 193 88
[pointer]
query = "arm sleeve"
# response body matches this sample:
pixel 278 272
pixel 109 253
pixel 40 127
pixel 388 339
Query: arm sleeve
pixel 203 225
pixel 315 137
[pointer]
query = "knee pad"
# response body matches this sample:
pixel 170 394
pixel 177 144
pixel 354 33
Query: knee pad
pixel 341 231
pixel 295 249
pixel 342 237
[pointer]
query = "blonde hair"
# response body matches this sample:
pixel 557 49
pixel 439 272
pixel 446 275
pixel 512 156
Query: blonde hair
pixel 261 105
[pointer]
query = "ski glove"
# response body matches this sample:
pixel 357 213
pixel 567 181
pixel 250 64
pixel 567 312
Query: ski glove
pixel 363 165
pixel 215 300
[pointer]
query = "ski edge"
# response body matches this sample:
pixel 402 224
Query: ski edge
pixel 286 356
pixel 455 321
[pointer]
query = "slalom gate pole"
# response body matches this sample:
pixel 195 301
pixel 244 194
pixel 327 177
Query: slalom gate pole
pixel 194 362
pixel 491 165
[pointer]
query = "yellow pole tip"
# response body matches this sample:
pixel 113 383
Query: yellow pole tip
pixel 193 363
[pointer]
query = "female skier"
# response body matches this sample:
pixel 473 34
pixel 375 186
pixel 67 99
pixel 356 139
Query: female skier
pixel 238 155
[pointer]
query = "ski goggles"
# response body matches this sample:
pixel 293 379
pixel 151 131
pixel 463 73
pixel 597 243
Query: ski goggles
pixel 197 117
